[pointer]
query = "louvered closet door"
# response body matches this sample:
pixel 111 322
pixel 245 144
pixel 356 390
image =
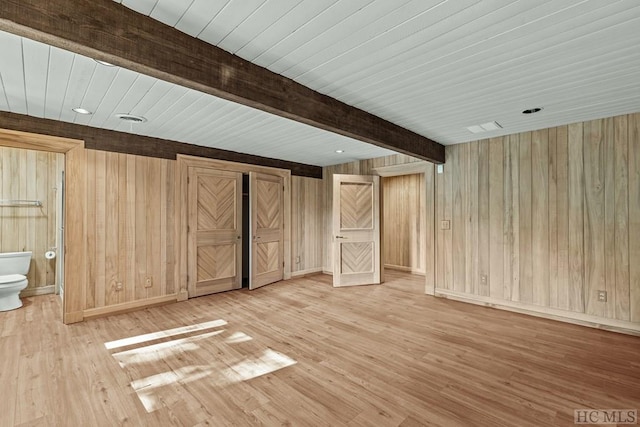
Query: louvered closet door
pixel 215 231
pixel 267 229
pixel 356 228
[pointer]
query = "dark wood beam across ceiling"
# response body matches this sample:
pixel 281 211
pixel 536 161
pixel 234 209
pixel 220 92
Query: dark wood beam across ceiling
pixel 106 30
pixel 121 142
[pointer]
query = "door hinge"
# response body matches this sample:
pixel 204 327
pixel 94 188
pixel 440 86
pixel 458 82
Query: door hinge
pixel 188 180
pixel 282 263
pixel 188 229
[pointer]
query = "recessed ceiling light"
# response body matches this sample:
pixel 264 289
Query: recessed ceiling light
pixel 81 110
pixel 532 110
pixel 105 63
pixel 339 151
pixel 131 118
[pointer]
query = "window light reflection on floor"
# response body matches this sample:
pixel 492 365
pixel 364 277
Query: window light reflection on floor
pixel 163 334
pixel 159 351
pixel 150 389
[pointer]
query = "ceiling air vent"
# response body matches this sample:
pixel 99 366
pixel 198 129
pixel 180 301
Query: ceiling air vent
pixel 485 127
pixel 131 118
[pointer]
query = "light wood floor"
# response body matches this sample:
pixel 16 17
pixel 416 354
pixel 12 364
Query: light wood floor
pixel 301 353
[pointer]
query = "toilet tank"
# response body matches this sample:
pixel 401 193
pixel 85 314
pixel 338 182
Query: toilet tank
pixel 15 263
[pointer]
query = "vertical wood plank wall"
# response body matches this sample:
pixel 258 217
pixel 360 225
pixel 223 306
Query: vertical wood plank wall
pixel 30 175
pixel 362 167
pixel 404 217
pixel 129 221
pixel 307 234
pixel 546 218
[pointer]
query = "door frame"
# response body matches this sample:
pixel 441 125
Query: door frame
pixel 427 170
pixel 73 296
pixel 184 162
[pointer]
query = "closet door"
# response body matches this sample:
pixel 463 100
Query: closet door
pixel 356 228
pixel 267 229
pixel 214 231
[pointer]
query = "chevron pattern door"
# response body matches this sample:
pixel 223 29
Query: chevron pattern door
pixel 215 231
pixel 356 228
pixel 267 229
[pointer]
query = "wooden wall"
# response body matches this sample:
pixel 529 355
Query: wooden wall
pixel 404 217
pixel 362 167
pixel 129 222
pixel 307 234
pixel 30 175
pixel 545 218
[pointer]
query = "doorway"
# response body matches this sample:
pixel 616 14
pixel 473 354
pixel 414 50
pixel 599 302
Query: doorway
pixel 408 225
pixel 232 213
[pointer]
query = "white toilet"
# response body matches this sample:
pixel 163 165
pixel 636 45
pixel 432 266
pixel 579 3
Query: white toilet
pixel 14 267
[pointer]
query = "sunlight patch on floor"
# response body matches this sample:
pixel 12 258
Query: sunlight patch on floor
pixel 237 338
pixel 156 352
pixel 150 389
pixel 163 334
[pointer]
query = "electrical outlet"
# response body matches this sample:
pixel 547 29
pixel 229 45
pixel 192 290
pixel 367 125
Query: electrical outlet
pixel 483 279
pixel 148 282
pixel 445 225
pixel 298 259
pixel 602 296
pixel 119 286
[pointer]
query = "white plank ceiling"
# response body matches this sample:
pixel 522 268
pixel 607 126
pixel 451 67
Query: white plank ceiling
pixel 431 66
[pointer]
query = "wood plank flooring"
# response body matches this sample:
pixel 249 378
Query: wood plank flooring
pixel 301 353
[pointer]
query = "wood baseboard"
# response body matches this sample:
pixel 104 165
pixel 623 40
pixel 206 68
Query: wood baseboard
pixel 42 290
pixel 582 319
pixel 307 272
pixel 129 306
pixel 405 269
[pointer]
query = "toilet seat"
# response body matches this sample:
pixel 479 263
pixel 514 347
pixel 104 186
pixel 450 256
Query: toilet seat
pixel 11 278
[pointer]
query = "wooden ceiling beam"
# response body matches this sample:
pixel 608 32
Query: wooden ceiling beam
pixel 121 142
pixel 106 30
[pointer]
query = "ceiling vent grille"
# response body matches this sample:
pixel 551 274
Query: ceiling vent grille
pixel 131 118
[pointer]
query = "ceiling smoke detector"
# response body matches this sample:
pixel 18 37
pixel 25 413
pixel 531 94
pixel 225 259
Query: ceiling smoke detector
pixel 131 118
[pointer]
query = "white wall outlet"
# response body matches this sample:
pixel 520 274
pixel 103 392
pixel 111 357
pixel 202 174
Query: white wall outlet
pixel 602 296
pixel 148 282
pixel 445 225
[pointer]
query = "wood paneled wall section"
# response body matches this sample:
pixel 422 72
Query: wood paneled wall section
pixel 129 225
pixel 362 167
pixel 30 175
pixel 404 222
pixel 546 218
pixel 307 201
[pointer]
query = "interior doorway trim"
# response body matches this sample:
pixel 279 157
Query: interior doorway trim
pixel 427 170
pixel 74 233
pixel 181 193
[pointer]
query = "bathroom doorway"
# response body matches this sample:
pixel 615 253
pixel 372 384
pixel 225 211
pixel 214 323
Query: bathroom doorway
pixel 30 213
pixel 70 155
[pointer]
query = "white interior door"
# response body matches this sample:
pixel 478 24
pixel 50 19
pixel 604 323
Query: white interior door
pixel 214 231
pixel 356 230
pixel 267 229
